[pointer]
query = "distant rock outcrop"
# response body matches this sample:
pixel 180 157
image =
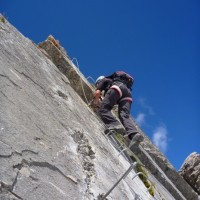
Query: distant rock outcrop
pixel 52 145
pixel 190 171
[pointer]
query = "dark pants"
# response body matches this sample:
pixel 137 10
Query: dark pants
pixel 124 100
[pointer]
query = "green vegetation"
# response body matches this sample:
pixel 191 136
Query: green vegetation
pixel 140 167
pixel 144 179
pixel 2 19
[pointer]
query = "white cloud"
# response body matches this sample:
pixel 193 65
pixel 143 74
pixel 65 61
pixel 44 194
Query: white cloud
pixel 160 138
pixel 140 119
pixel 143 103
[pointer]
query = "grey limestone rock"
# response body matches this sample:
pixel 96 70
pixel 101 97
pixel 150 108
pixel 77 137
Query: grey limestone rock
pixel 52 145
pixel 190 170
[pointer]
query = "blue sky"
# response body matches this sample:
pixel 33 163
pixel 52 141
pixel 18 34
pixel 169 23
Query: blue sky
pixel 157 42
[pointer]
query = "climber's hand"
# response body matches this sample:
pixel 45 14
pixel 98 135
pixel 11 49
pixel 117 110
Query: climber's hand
pixel 96 105
pixel 97 95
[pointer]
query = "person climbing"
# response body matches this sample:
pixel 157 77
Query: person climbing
pixel 117 90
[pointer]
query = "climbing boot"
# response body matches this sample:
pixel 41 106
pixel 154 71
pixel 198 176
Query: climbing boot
pixel 132 139
pixel 115 129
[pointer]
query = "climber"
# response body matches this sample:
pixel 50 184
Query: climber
pixel 117 90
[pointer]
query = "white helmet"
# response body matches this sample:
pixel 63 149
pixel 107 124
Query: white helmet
pixel 98 79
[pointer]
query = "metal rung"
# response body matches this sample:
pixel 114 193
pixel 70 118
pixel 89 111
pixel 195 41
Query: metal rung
pixel 124 149
pixel 132 166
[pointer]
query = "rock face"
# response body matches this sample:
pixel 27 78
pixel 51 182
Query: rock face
pixel 153 159
pixel 52 145
pixel 190 171
pixel 59 57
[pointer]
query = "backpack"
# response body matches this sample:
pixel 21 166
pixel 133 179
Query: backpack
pixel 122 77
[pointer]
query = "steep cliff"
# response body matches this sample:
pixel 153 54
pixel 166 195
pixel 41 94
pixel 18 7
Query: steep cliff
pixel 52 146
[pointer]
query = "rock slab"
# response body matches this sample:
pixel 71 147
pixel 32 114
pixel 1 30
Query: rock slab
pixel 190 171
